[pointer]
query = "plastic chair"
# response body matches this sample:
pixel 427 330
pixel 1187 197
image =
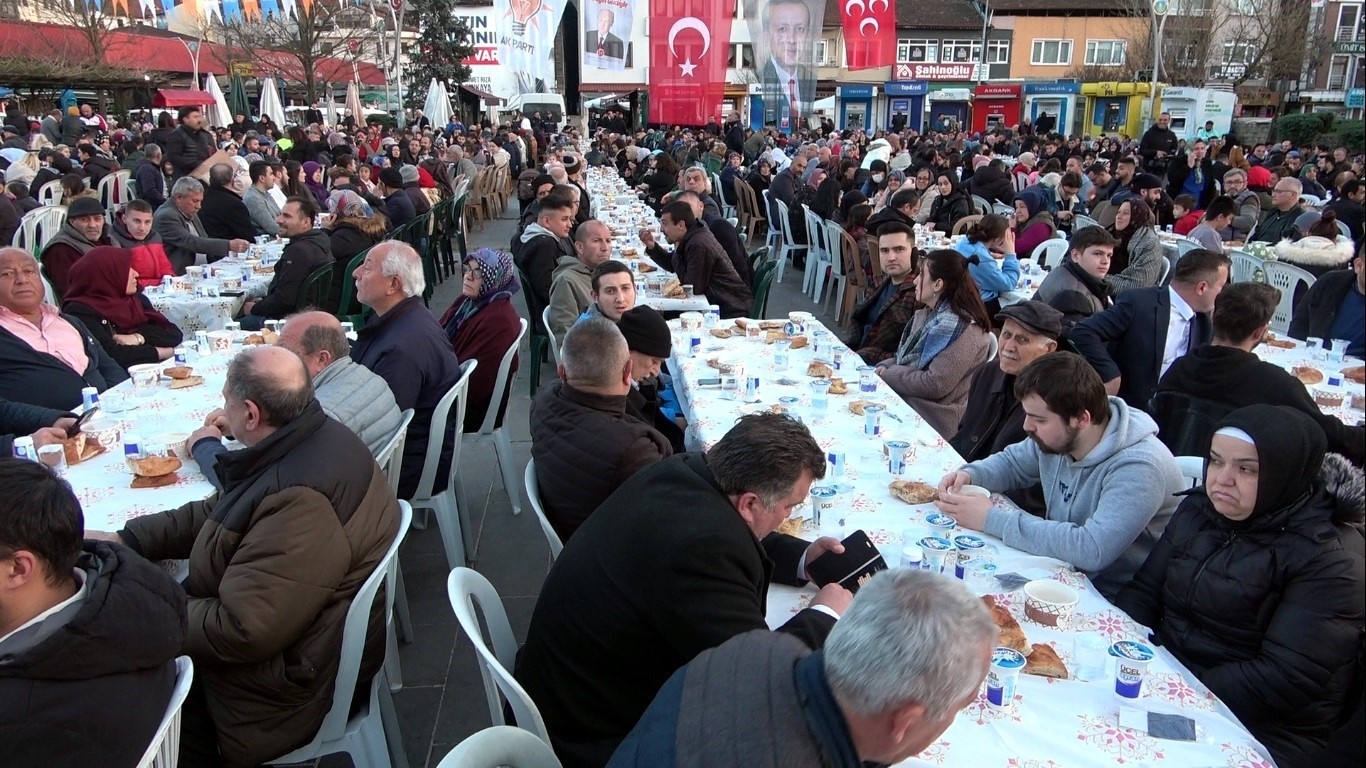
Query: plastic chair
pixel 164 751
pixel 817 258
pixel 316 290
pixel 501 745
pixel 1020 181
pixel 1245 266
pixel 993 346
pixel 1343 229
pixel 1288 278
pixel 980 204
pixel 1311 200
pixel 1193 469
pixel 123 189
pixel 533 493
pixel 348 309
pixel 763 282
pixel 774 239
pixel 1002 209
pixel 839 279
pixel 471 595
pixel 745 193
pixel 757 257
pixel 499 435
pixel 540 334
pixel 789 249
pixel 390 460
pixel 452 517
pixel 37 227
pixel 854 279
pixel 961 226
pixel 554 342
pixel 1184 246
pixel 371 736
pixel 1051 251
pixel 1080 221
pixel 1166 270
pixel 51 193
pixel 104 190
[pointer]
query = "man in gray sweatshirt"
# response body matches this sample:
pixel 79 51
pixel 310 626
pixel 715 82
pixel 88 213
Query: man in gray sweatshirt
pixel 1108 482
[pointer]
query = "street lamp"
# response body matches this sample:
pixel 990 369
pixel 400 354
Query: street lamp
pixel 1160 8
pixel 192 47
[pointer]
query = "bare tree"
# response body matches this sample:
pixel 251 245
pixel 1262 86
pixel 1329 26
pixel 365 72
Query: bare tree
pixel 319 44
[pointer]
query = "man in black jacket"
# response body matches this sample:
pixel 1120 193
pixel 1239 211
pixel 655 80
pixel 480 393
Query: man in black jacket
pixel 44 425
pixel 993 183
pixel 725 233
pixel 650 342
pixel 189 145
pixel 635 596
pixel 79 624
pixel 223 214
pixel 583 440
pixel 1348 206
pixel 397 206
pixel 149 183
pixel 698 260
pixel 901 208
pixel 308 249
pixel 994 418
pixel 1158 145
pixel 1133 343
pixel 1228 371
pixel 1332 308
pixel 544 241
pixel 94 165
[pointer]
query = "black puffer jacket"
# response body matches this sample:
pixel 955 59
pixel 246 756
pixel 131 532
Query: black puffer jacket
pixel 1267 613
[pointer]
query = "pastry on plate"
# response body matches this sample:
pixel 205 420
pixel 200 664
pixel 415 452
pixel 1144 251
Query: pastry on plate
pixel 253 339
pixel 1011 634
pixel 179 372
pixel 775 336
pixel 672 289
pixel 188 381
pixel 856 407
pixel 819 370
pixel 913 491
pixel 798 342
pixel 1043 661
pixel 838 387
pixel 1307 374
pixel 1356 374
pixel 795 526
pixel 81 447
pixel 721 333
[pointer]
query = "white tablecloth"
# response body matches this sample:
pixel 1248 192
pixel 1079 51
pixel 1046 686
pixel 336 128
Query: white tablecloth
pixel 1054 723
pixel 102 484
pixel 192 313
pixel 1301 356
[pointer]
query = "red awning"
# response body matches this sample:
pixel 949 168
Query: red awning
pixel 166 98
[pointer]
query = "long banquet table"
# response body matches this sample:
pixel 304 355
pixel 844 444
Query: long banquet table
pixel 1053 723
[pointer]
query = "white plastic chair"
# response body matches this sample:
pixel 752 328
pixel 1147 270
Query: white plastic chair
pixel 471 594
pixel 51 193
pixel 1245 266
pixel 1311 200
pixel 390 460
pixel 123 188
pixel 1051 251
pixel 501 745
pixel 1343 229
pixel 1288 278
pixel 788 249
pixel 451 515
pixel 554 342
pixel 774 239
pixel 164 751
pixel 1193 469
pixel 982 205
pixel 371 737
pixel 533 494
pixel 105 191
pixel 502 389
pixel 37 227
pixel 834 239
pixel 1184 246
pixel 817 258
pixel 1020 181
pixel 1007 211
pixel 1166 270
pixel 1082 222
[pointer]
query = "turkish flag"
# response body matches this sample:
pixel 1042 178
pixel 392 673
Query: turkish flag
pixel 869 33
pixel 689 49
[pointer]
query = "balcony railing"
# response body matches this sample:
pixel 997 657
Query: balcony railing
pixel 1348 35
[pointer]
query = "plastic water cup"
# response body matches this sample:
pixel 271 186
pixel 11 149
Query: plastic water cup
pixel 53 456
pixel 824 501
pixel 820 398
pixel 867 378
pixel 1339 350
pixel 1089 652
pixel 754 333
pixel 782 355
pixel 1002 676
pixel 980 578
pixel 872 420
pixel 837 460
pixel 935 552
pixel 1131 667
pixel 897 451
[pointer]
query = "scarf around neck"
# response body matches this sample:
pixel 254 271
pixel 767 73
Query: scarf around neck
pixel 919 347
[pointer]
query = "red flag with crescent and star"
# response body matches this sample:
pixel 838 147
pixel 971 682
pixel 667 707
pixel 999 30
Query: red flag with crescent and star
pixel 689 45
pixel 869 33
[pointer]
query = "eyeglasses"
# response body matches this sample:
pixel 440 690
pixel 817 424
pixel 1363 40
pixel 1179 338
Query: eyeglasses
pixel 1274 191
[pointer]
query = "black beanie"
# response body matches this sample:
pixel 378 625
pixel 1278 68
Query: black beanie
pixel 646 332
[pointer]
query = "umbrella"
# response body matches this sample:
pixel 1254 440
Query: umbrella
pixel 270 102
pixel 237 96
pixel 218 114
pixel 329 109
pixel 437 108
pixel 353 103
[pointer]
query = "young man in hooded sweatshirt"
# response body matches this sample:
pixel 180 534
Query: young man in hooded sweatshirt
pixel 1108 482
pixel 544 242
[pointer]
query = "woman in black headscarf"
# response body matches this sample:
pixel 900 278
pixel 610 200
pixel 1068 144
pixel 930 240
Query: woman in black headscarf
pixel 1256 584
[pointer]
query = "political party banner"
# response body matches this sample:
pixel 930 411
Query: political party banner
pixel 868 33
pixel 607 33
pixel 526 41
pixel 689 47
pixel 785 34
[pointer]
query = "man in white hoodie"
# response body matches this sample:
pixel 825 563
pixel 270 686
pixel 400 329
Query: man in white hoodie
pixel 1108 482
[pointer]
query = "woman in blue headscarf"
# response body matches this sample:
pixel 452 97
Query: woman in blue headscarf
pixel 482 324
pixel 1033 223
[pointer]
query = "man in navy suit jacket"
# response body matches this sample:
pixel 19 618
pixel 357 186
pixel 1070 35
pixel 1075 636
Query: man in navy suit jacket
pixel 1132 343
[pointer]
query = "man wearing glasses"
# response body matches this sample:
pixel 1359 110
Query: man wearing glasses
pixel 1278 223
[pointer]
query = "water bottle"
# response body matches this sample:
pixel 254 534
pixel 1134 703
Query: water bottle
pixel 90 398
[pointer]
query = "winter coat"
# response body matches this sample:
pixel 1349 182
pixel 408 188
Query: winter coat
pixel 65 249
pixel 538 256
pixel 407 348
pixel 585 446
pixel 225 216
pixel 1316 255
pixel 486 337
pixel 700 261
pixel 1105 511
pixel 946 211
pixel 633 597
pixel 1315 312
pixel 992 185
pixel 93 690
pixel 348 237
pixel 187 150
pixel 1061 279
pixel 38 378
pixel 875 338
pixel 939 393
pixel 149 183
pixel 1267 612
pixel 184 237
pixel 992 421
pixel 262 209
pixel 399 208
pixel 570 290
pixel 158 334
pixel 1145 259
pixel 275 559
pixel 992 279
pixel 303 254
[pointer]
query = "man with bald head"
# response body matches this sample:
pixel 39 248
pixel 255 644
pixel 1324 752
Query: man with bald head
pixel 347 391
pixel 224 214
pixel 275 559
pixel 571 286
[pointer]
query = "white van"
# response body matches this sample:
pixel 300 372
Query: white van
pixel 550 105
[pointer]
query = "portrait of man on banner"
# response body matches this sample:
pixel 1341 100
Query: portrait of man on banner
pixel 607 33
pixel 784 33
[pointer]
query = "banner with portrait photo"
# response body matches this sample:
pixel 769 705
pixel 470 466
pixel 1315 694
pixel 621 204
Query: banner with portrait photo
pixel 607 33
pixel 526 41
pixel 785 34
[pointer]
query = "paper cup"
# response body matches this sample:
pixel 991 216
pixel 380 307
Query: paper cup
pixel 1132 666
pixel 175 443
pixel 104 430
pixel 1050 602
pixel 1002 675
pixel 221 341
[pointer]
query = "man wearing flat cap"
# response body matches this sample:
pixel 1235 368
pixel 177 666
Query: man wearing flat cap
pixel 994 418
pixel 83 229
pixel 396 203
pixel 583 441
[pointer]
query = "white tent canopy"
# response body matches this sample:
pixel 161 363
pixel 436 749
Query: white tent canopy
pixel 270 102
pixel 437 108
pixel 353 104
pixel 217 111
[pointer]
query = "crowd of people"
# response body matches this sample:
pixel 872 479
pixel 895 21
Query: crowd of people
pixel 648 640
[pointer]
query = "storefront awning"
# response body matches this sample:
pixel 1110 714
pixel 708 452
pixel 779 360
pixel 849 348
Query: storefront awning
pixel 169 98
pixel 488 98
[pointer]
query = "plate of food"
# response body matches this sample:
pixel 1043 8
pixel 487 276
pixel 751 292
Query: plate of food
pixel 1307 374
pixel 154 471
pixel 913 491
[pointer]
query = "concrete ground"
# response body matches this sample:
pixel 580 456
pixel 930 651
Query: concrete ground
pixel 442 700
